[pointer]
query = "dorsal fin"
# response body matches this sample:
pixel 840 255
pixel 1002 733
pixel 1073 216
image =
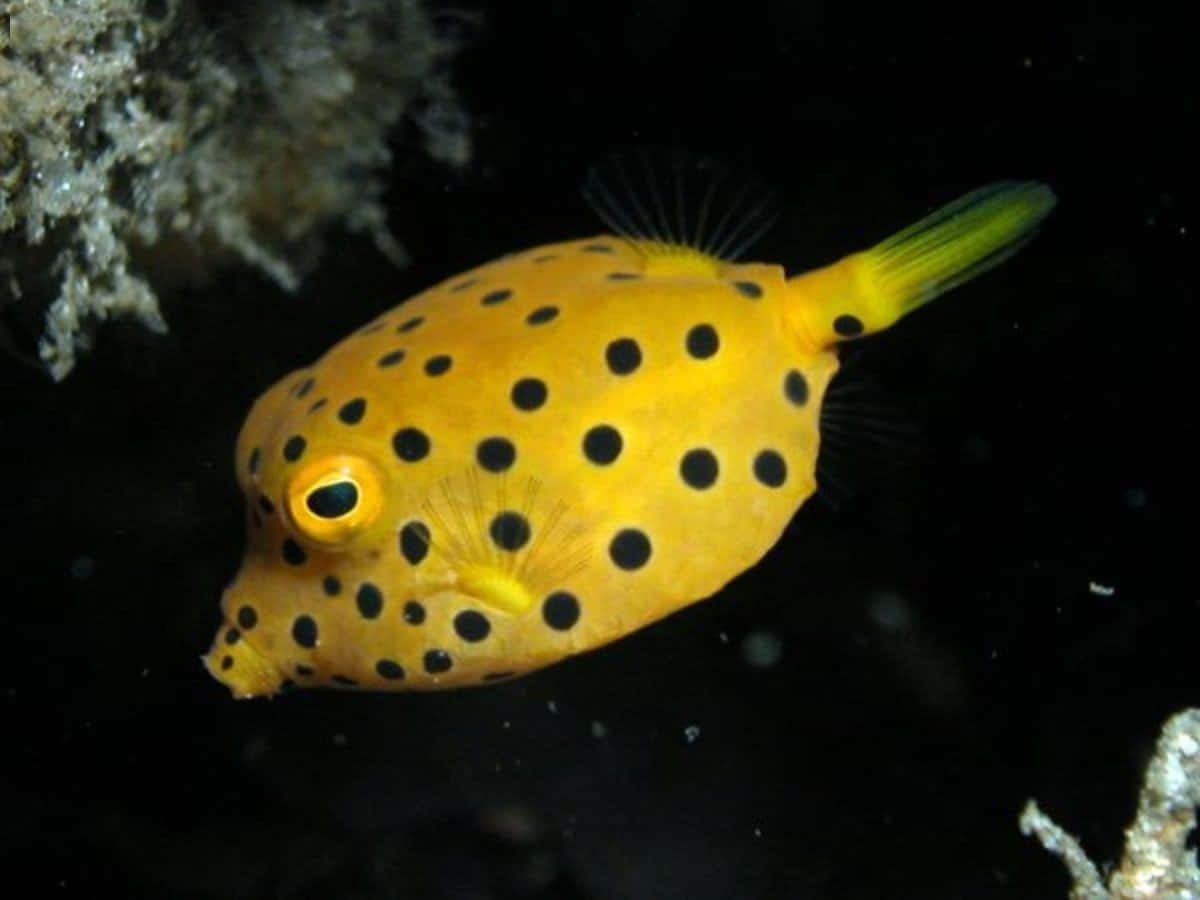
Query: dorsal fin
pixel 671 203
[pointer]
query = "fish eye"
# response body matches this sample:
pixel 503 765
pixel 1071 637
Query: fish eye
pixel 332 500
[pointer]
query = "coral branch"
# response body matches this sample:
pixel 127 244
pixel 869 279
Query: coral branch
pixel 1157 863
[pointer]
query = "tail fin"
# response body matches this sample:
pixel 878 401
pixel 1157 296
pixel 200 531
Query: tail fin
pixel 869 291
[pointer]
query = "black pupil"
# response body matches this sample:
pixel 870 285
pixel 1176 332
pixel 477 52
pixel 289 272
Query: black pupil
pixel 333 500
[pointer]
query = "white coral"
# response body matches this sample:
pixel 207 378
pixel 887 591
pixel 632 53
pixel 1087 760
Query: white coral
pixel 118 124
pixel 1157 863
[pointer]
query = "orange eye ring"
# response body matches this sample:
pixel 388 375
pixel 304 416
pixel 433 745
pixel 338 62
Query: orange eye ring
pixel 332 500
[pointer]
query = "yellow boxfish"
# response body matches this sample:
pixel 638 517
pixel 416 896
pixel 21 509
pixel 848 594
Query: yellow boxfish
pixel 552 450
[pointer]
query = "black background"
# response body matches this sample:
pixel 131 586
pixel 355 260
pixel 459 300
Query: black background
pixel 943 657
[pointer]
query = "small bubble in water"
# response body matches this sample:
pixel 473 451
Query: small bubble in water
pixel 82 567
pixel 761 649
pixel 254 750
pixel 598 730
pixel 978 448
pixel 1135 497
pixel 889 611
pixel 691 733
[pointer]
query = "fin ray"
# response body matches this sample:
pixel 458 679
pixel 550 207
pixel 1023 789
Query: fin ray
pixel 669 202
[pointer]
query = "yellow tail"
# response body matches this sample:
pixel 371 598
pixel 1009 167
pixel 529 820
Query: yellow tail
pixel 868 291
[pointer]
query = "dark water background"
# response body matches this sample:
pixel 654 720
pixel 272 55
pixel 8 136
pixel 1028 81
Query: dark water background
pixel 943 654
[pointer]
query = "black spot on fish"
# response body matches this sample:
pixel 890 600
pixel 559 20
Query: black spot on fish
pixel 472 626
pixel 294 448
pixel 370 600
pixel 437 365
pixel 495 454
pixel 602 444
pixel 352 413
pixel 795 387
pixel 848 326
pixel 293 553
pixel 304 631
pixel 770 468
pixel 560 610
pixel 437 661
pixel 629 549
pixel 698 468
pixel 411 324
pixel 494 297
pixel 389 669
pixel 390 359
pixel 749 289
pixel 247 618
pixel 623 356
pixel 410 444
pixel 541 315
pixel 510 531
pixel 529 394
pixel 702 341
pixel 414 613
pixel 414 541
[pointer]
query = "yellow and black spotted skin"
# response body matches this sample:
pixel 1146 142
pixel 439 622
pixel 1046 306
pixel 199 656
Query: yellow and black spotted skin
pixel 545 453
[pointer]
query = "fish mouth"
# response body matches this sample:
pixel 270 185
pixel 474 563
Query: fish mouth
pixel 234 662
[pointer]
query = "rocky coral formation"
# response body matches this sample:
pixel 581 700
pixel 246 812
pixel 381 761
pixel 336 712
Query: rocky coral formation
pixel 134 127
pixel 1158 863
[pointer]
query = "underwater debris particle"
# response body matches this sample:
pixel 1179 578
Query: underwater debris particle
pixel 82 567
pixel 761 649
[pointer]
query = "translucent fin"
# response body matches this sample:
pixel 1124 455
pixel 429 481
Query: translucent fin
pixel 869 291
pixel 864 435
pixel 477 514
pixel 668 202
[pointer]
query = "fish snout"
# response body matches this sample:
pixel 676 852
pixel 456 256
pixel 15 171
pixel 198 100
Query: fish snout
pixel 234 661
